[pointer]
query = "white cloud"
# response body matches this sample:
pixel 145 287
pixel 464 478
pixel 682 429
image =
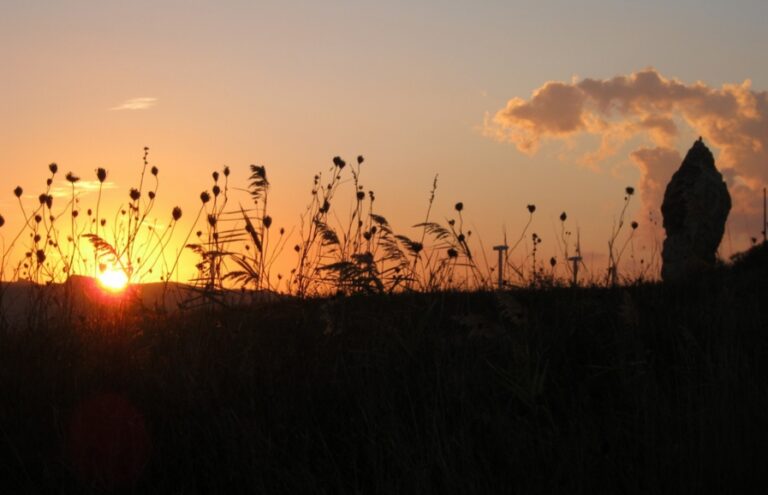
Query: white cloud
pixel 81 187
pixel 136 104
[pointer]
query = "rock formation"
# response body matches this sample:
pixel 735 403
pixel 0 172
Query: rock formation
pixel 695 208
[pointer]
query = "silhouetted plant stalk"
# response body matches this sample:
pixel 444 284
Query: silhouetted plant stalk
pixel 357 252
pixel 613 257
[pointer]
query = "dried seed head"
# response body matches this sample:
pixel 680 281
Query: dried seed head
pixel 49 182
pixel 215 177
pixel 2 221
pixel 135 194
pixel 75 213
pixel 216 190
pixel 101 174
pixel 205 197
pixel 360 195
pixel 634 225
pixel 461 238
pixel 531 208
pixel 552 261
pixel 212 220
pixel 267 221
pixel 103 222
pixel 337 161
pixel 154 171
pixel 176 214
pixel 452 253
pixel 49 201
pixel 90 212
pixel 40 256
pixel 42 198
pixel 296 248
pixel 72 178
pixel 360 159
pixel 199 233
pixel 18 191
pixel 459 206
pixel 151 194
pixel 282 231
pixel 563 217
pixel 53 168
pixel 630 190
pixel 226 171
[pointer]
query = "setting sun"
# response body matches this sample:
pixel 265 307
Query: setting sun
pixel 113 279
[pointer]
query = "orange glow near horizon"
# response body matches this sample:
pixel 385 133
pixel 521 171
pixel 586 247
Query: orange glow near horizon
pixel 113 279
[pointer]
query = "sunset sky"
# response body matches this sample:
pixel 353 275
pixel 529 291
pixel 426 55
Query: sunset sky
pixel 558 103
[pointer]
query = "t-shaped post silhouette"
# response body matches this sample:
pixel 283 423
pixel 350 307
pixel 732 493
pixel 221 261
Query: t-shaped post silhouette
pixel 501 249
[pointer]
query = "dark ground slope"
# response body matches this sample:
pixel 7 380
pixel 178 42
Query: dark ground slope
pixel 646 389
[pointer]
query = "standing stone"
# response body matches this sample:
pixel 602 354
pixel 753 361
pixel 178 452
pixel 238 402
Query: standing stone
pixel 695 208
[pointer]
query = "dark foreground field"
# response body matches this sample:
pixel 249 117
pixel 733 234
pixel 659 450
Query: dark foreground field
pixel 646 389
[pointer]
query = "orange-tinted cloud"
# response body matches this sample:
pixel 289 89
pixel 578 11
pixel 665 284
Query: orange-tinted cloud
pixel 733 119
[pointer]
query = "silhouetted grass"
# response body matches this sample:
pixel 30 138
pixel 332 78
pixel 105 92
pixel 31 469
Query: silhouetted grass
pixel 412 377
pixel 643 389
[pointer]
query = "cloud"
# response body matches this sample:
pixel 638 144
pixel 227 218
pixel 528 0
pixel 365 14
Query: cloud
pixel 136 104
pixel 81 187
pixel 732 118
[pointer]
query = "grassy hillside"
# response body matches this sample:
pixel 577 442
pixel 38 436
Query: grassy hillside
pixel 643 389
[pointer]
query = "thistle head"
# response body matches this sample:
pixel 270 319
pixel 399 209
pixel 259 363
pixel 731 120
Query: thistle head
pixel 53 168
pixel 101 174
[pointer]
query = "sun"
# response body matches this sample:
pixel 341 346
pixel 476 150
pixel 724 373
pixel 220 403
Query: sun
pixel 113 279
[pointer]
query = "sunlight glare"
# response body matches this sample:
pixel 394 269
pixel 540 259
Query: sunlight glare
pixel 113 279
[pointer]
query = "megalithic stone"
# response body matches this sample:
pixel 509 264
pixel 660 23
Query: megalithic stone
pixel 695 209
